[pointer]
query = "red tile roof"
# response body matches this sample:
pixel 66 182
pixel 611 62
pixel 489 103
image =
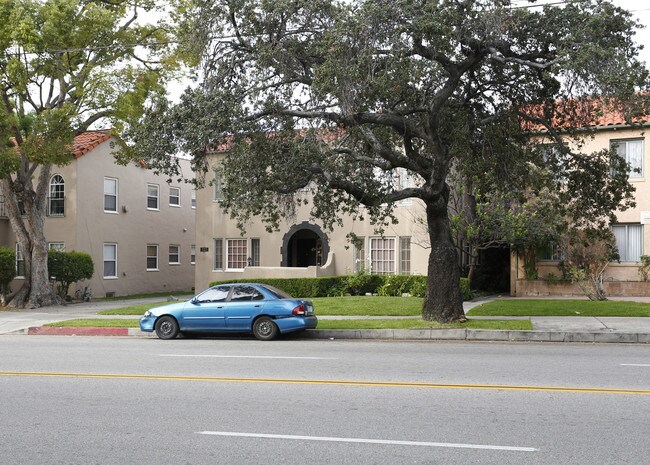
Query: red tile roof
pixel 85 142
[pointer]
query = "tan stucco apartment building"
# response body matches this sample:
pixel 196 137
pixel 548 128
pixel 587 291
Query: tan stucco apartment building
pixel 138 228
pixel 302 248
pixel 632 228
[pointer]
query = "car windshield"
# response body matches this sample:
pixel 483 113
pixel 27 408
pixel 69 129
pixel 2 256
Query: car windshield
pixel 277 292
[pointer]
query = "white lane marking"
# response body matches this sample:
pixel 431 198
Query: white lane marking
pixel 248 356
pixel 635 364
pixel 369 441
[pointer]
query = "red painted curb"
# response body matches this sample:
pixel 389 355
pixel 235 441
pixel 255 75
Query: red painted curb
pixel 77 331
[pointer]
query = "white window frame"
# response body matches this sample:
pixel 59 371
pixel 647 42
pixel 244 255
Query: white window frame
pixel 58 246
pixel 375 250
pixel 405 255
pixel 114 246
pixel 217 187
pixel 157 196
pixel 177 197
pixel 193 199
pixel 230 245
pixel 193 254
pixel 624 253
pixel 631 174
pixel 218 254
pixel 108 194
pixel 19 259
pixel 359 255
pixel 56 193
pixel 153 256
pixel 177 254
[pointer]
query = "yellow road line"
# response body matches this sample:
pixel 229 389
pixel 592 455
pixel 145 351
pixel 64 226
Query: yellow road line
pixel 217 379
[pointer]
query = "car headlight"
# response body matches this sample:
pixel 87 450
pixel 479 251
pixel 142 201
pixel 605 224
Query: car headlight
pixel 147 314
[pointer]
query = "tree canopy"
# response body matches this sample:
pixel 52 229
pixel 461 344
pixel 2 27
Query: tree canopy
pixel 67 65
pixel 335 96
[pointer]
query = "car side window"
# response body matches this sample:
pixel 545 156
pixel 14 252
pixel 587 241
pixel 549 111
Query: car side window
pixel 215 294
pixel 245 294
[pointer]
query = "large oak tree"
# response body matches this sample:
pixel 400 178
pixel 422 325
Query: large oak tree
pixel 337 95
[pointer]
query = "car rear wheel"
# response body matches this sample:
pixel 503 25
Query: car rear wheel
pixel 265 329
pixel 166 327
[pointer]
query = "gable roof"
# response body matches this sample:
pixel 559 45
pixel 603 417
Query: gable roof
pixel 86 141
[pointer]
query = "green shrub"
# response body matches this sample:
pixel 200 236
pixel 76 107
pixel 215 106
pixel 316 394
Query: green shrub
pixel 362 283
pixel 465 290
pixel 418 286
pixel 397 284
pixel 300 287
pixel 69 267
pixel 7 271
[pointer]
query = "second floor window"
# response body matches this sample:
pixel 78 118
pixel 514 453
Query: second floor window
pixel 152 196
pixel 174 197
pixel 56 205
pixel 110 195
pixel 632 152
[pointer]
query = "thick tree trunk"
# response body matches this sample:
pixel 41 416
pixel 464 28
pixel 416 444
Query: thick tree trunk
pixel 443 301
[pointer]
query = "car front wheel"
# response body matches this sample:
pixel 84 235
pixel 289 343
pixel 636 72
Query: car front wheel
pixel 166 327
pixel 265 329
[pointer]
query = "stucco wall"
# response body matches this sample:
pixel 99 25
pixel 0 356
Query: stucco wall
pixel 212 222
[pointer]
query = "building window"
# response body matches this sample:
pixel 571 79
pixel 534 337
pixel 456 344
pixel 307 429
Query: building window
pixel 382 255
pixel 192 254
pixel 152 196
pixel 152 257
pixel 629 241
pixel 174 197
pixel 218 186
pixel 58 246
pixel 405 255
pixel 20 262
pixel 359 254
pixel 550 252
pixel 218 254
pixel 110 195
pixel 632 152
pixel 193 198
pixel 110 260
pixel 255 252
pixel 174 254
pixel 56 200
pixel 237 254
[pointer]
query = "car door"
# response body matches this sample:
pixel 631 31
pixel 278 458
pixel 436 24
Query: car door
pixel 206 311
pixel 245 303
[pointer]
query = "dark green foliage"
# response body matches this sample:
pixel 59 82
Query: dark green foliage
pixel 7 270
pixel 69 267
pixel 357 284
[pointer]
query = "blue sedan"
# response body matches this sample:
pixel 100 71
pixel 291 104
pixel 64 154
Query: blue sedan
pixel 258 308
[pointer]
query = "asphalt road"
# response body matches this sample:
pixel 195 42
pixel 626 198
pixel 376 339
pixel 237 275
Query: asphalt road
pixel 85 400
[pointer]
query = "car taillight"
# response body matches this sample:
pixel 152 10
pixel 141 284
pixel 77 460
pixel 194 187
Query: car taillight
pixel 299 310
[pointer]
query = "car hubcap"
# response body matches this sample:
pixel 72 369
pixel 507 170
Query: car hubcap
pixel 265 328
pixel 166 328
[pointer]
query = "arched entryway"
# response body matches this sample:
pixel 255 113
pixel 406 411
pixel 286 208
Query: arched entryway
pixel 304 245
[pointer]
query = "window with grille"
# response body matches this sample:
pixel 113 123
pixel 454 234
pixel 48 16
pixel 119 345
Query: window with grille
pixel 255 252
pixel 405 255
pixel 56 200
pixel 237 254
pixel 382 255
pixel 218 254
pixel 359 254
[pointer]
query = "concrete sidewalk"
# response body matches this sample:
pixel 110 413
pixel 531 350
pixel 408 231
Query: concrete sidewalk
pixel 548 329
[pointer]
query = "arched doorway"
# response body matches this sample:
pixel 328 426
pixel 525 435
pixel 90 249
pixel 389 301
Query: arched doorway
pixel 304 245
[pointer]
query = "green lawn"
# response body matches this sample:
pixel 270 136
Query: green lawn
pixel 348 305
pixel 410 323
pixel 531 307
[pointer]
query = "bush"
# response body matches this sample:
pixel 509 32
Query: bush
pixel 357 284
pixel 7 271
pixel 69 267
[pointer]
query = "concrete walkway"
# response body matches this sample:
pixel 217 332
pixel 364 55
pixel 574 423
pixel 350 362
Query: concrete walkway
pixel 551 329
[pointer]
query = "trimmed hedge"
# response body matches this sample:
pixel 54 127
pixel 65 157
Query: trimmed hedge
pixel 357 284
pixel 69 267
